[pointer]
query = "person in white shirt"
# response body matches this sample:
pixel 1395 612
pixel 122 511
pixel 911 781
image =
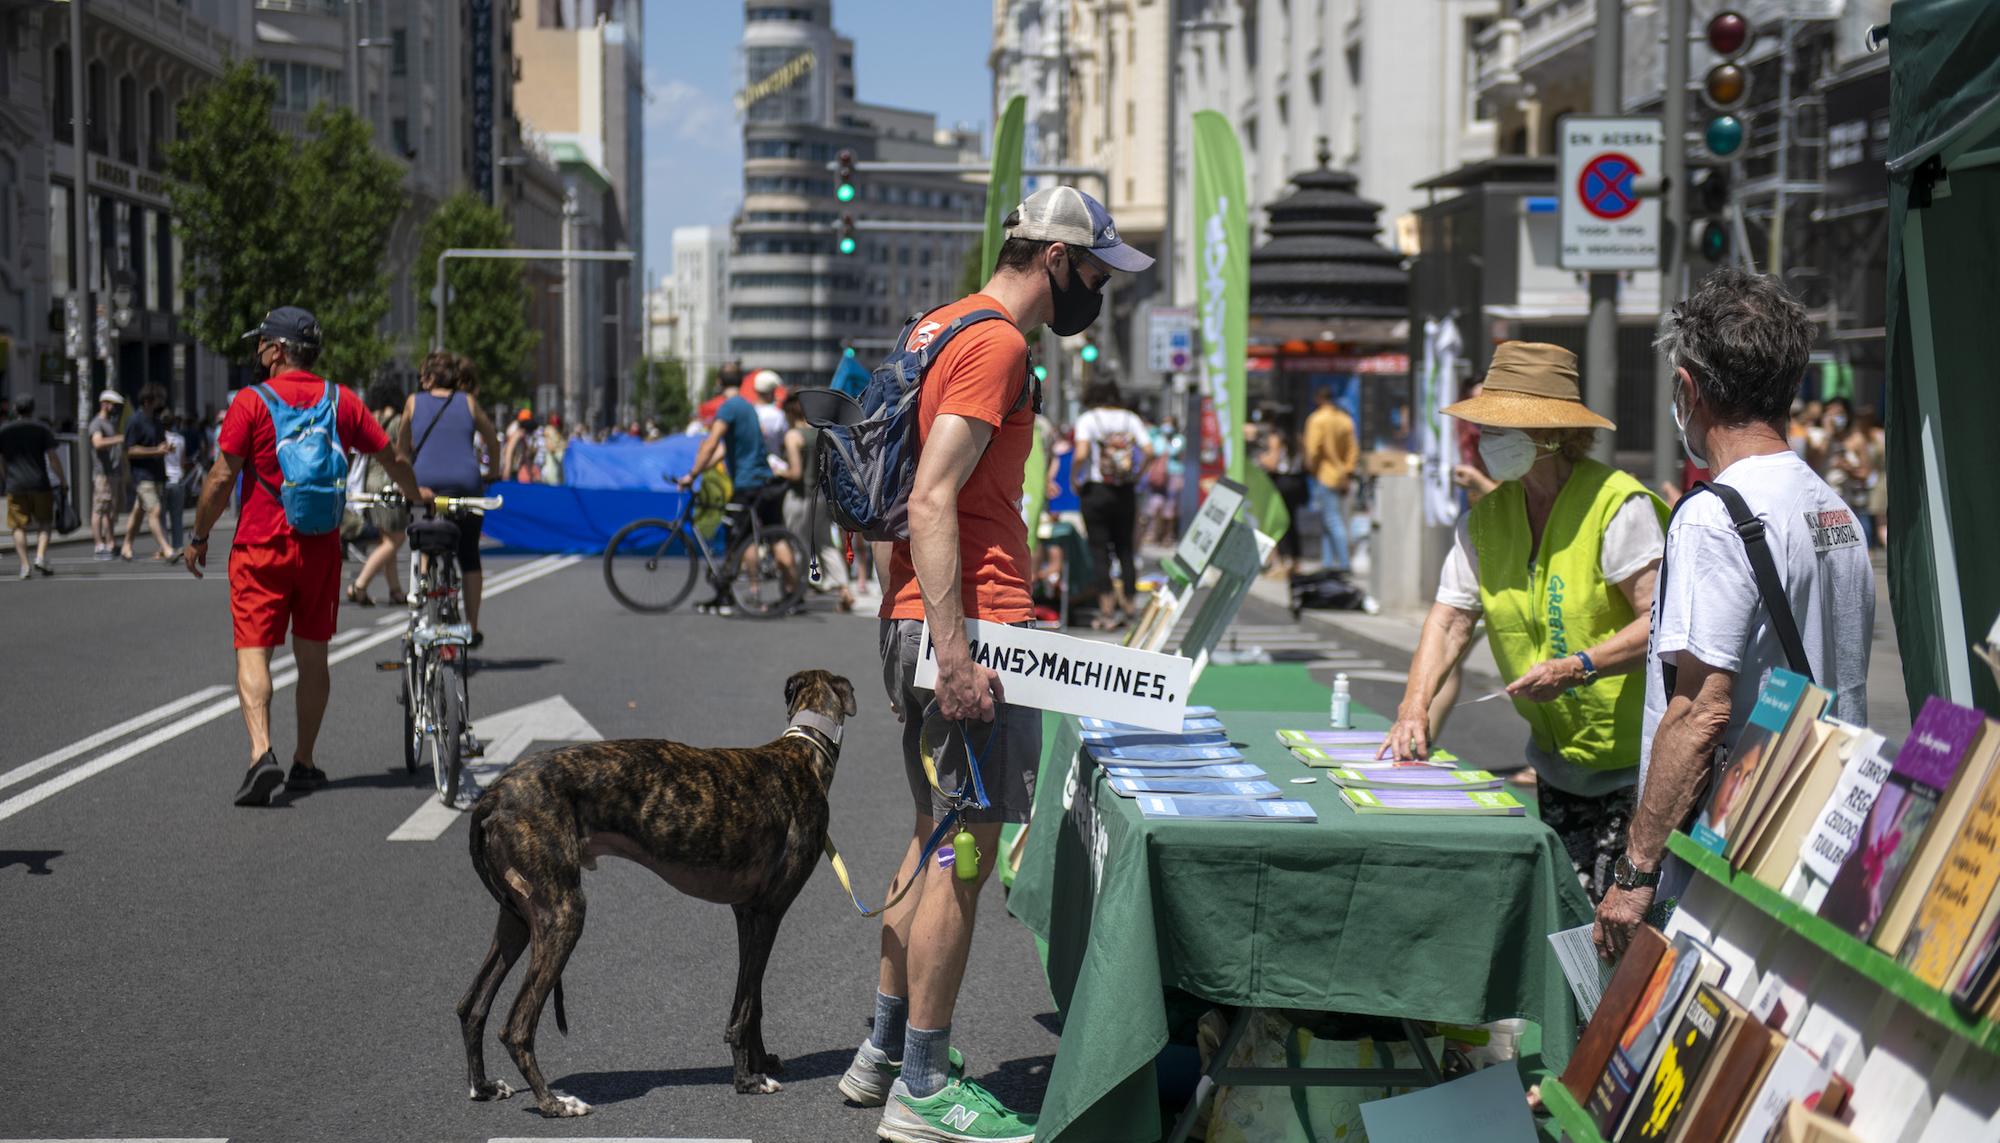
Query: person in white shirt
pixel 1113 445
pixel 1738 347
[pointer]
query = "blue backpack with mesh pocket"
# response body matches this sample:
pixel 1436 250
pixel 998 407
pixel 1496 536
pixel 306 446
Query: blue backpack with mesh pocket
pixel 866 455
pixel 312 461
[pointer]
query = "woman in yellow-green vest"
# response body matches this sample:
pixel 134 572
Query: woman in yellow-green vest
pixel 1560 561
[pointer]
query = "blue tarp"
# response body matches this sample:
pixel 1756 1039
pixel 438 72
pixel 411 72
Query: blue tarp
pixel 539 518
pixel 628 464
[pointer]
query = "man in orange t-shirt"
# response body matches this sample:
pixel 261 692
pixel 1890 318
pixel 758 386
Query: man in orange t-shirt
pixel 967 558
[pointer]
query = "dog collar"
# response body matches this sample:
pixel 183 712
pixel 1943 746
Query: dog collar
pixel 814 721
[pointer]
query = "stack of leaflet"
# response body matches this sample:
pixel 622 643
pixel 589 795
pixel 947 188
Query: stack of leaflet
pixel 1194 773
pixel 1423 790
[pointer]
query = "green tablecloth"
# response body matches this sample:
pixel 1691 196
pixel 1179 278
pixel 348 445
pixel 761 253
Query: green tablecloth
pixel 1432 918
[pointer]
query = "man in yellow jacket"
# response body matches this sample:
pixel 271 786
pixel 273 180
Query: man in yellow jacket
pixel 1330 457
pixel 1560 560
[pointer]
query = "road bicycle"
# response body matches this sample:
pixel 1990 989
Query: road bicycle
pixel 436 643
pixel 763 567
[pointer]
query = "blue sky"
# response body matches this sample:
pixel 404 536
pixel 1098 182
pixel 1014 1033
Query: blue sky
pixel 930 56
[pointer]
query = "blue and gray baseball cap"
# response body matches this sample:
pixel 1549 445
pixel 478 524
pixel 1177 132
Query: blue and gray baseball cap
pixel 1067 215
pixel 288 324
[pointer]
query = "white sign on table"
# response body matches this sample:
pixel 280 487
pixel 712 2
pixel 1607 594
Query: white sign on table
pixel 1211 522
pixel 1051 671
pixel 1606 224
pixel 1170 338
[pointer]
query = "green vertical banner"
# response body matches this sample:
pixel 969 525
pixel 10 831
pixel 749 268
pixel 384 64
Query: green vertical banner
pixel 1222 282
pixel 1003 182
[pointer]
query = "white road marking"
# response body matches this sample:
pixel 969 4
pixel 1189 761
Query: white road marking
pixel 207 714
pixel 55 758
pixel 599 1139
pixel 552 719
pixel 123 1139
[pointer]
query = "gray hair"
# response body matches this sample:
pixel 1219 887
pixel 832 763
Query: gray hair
pixel 1744 340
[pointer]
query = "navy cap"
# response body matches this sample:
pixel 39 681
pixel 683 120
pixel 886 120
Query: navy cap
pixel 288 323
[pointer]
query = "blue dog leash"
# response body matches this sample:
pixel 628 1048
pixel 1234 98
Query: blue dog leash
pixel 964 855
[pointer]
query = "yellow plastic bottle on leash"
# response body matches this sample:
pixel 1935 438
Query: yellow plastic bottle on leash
pixel 965 856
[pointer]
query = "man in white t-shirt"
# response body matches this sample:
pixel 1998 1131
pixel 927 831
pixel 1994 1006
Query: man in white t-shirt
pixel 1738 347
pixel 1112 449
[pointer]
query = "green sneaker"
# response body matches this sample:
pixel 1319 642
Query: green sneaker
pixel 960 1112
pixel 869 1077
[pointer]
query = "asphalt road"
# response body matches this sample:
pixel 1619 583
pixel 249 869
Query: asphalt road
pixel 182 968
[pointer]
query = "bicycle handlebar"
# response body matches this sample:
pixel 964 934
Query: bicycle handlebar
pixel 395 499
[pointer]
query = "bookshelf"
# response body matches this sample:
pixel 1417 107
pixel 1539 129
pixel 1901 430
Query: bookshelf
pixel 1838 943
pixel 1568 1117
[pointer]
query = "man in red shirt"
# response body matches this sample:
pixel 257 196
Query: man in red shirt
pixel 967 558
pixel 277 576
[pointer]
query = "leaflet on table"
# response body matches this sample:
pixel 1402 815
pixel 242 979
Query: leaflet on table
pixel 1233 771
pixel 1413 777
pixel 1192 718
pixel 1225 809
pixel 1291 738
pixel 1204 787
pixel 1363 757
pixel 1153 737
pixel 1496 803
pixel 1166 753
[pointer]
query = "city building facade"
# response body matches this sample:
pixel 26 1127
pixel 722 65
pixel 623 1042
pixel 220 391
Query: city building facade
pixel 581 93
pixel 139 60
pixel 696 295
pixel 796 302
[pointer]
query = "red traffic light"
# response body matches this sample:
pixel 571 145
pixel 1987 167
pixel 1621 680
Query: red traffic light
pixel 1728 33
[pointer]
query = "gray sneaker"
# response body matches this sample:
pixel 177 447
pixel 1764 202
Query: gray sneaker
pixel 872 1073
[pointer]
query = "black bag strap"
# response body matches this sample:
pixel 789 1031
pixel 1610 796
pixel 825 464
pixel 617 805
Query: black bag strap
pixel 442 410
pixel 1763 568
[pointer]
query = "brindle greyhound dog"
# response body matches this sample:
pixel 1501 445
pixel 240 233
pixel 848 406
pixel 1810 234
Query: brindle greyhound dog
pixel 743 828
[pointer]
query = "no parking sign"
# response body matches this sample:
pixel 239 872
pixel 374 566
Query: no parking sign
pixel 1606 223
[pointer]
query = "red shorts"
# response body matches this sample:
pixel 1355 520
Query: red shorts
pixel 288 579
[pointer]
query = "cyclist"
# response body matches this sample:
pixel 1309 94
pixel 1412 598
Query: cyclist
pixel 759 498
pixel 447 426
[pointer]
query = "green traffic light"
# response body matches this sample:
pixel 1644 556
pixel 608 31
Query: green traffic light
pixel 1724 135
pixel 1041 373
pixel 845 192
pixel 847 245
pixel 848 352
pixel 1714 241
pixel 1089 352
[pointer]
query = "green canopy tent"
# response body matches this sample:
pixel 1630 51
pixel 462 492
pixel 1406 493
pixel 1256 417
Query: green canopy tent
pixel 1944 342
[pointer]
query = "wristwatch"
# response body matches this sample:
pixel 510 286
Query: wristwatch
pixel 1589 668
pixel 1627 875
pixel 198 541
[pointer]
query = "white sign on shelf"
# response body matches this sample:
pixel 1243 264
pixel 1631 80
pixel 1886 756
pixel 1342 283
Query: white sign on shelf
pixel 1170 339
pixel 1051 671
pixel 1204 535
pixel 1606 224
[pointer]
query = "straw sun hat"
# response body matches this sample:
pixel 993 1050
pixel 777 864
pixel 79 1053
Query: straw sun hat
pixel 1529 385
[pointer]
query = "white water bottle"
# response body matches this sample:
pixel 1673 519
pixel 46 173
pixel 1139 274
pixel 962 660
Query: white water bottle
pixel 1337 716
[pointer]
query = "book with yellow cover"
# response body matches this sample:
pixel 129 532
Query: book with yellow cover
pixel 1950 910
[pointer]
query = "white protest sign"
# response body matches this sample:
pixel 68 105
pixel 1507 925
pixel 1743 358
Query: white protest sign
pixel 1050 671
pixel 1204 535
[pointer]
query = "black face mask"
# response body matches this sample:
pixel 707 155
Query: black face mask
pixel 1076 307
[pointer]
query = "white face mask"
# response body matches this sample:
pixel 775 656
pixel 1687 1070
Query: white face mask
pixel 1681 427
pixel 1508 453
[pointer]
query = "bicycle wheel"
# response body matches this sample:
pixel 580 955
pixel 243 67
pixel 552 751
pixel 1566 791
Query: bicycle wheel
pixel 447 727
pixel 643 571
pixel 413 702
pixel 769 576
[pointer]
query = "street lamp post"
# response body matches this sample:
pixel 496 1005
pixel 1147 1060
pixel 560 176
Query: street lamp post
pixel 79 259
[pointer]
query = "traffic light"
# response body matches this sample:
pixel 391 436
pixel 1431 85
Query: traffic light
pixel 844 177
pixel 847 352
pixel 1727 84
pixel 847 240
pixel 1088 352
pixel 1041 373
pixel 1710 202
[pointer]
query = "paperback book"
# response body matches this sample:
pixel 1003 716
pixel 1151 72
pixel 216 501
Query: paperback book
pixel 1193 719
pixel 1154 737
pixel 1957 899
pixel 1762 737
pixel 1675 978
pixel 1864 889
pixel 1831 839
pixel 1413 777
pixel 1677 1067
pixel 1235 771
pixel 1166 753
pixel 1225 809
pixel 1460 803
pixel 1291 738
pixel 1219 788
pixel 1363 758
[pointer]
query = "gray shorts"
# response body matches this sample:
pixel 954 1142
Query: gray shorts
pixel 1008 770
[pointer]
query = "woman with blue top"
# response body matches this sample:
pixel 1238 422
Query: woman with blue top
pixel 443 429
pixel 1559 559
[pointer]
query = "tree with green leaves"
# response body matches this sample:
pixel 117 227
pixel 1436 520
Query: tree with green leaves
pixel 660 392
pixel 266 220
pixel 486 317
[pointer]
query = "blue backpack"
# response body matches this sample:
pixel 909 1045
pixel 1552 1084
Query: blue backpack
pixel 866 455
pixel 314 464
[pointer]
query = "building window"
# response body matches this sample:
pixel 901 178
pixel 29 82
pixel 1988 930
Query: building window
pixel 1131 117
pixel 60 110
pixel 61 284
pixel 93 102
pixel 128 119
pixel 1315 89
pixel 399 52
pixel 399 131
pixel 1477 108
pixel 156 129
